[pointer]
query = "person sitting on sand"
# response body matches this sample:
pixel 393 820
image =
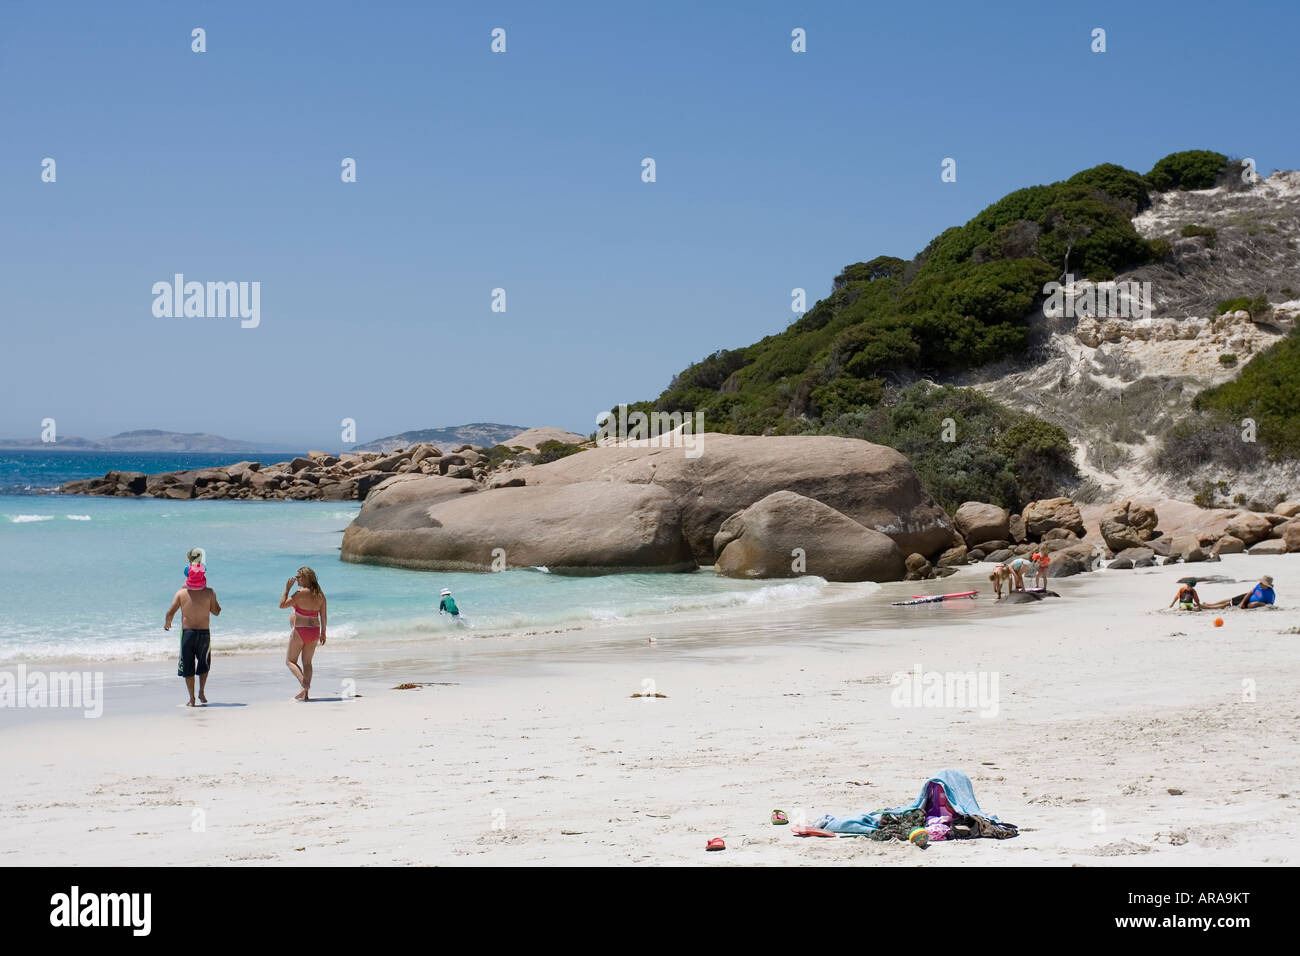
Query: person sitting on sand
pixel 1187 598
pixel 448 604
pixel 1042 561
pixel 307 626
pixel 196 601
pixel 1261 596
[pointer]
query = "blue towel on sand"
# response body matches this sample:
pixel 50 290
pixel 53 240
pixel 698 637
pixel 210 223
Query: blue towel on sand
pixel 957 786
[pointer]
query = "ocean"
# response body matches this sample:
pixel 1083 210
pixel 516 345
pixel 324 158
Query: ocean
pixel 91 578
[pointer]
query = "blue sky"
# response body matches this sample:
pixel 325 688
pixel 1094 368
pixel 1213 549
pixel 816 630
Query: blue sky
pixel 522 171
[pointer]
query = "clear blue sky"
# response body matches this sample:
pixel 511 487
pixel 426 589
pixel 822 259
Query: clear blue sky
pixel 523 171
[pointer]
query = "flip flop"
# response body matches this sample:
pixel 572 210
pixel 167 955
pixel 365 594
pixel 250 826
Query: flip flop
pixel 779 819
pixel 715 844
pixel 811 831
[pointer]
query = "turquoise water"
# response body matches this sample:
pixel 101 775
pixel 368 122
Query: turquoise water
pixel 92 578
pixel 32 471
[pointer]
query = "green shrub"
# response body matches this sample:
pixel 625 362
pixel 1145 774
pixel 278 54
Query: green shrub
pixel 1211 234
pixel 1117 182
pixel 553 450
pixel 998 455
pixel 1256 306
pixel 1190 169
pixel 844 395
pixel 1227 358
pixel 1265 391
pixel 1203 439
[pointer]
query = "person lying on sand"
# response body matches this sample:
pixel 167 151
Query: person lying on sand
pixel 1261 596
pixel 1187 598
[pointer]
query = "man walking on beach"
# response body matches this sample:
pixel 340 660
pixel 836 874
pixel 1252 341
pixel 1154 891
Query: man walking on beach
pixel 196 601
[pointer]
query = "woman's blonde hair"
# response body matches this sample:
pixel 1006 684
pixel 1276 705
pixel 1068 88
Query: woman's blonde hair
pixel 309 578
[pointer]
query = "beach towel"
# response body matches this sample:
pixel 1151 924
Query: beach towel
pixel 955 788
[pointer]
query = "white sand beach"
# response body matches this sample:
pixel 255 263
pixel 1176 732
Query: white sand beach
pixel 1123 735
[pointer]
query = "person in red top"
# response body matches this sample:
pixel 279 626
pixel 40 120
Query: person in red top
pixel 1042 561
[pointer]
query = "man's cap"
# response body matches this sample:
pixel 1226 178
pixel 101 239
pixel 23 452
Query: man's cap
pixel 1266 581
pixel 446 592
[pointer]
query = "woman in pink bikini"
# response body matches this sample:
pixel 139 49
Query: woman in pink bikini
pixel 308 625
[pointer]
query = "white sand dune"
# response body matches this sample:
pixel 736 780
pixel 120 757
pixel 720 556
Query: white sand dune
pixel 1124 735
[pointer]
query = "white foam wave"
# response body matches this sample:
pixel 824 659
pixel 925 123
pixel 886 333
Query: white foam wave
pixel 21 519
pixel 77 517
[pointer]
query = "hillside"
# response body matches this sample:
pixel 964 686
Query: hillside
pixel 484 434
pixel 1084 403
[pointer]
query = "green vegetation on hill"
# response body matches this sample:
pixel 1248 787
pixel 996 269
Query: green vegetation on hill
pixel 1266 391
pixel 960 304
pixel 1190 169
pixel 996 454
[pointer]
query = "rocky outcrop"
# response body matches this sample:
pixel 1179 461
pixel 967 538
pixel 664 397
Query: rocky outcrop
pixel 1249 527
pixel 577 528
pixel 744 504
pixel 978 522
pixel 1073 560
pixel 532 437
pixel 317 476
pixel 871 484
pixel 1127 525
pixel 787 534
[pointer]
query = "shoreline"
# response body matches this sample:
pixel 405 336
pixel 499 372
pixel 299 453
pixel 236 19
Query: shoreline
pixel 523 758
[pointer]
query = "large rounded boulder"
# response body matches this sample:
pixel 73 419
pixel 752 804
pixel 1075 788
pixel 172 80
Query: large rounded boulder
pixel 1249 527
pixel 714 476
pixel 786 534
pixel 1048 513
pixel 978 522
pixel 578 528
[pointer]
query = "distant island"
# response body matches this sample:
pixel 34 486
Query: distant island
pixel 485 434
pixel 148 440
pixel 444 438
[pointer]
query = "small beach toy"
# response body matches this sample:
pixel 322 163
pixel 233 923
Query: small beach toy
pixel 1218 622
pixel 715 844
pixel 779 819
pixel 920 836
